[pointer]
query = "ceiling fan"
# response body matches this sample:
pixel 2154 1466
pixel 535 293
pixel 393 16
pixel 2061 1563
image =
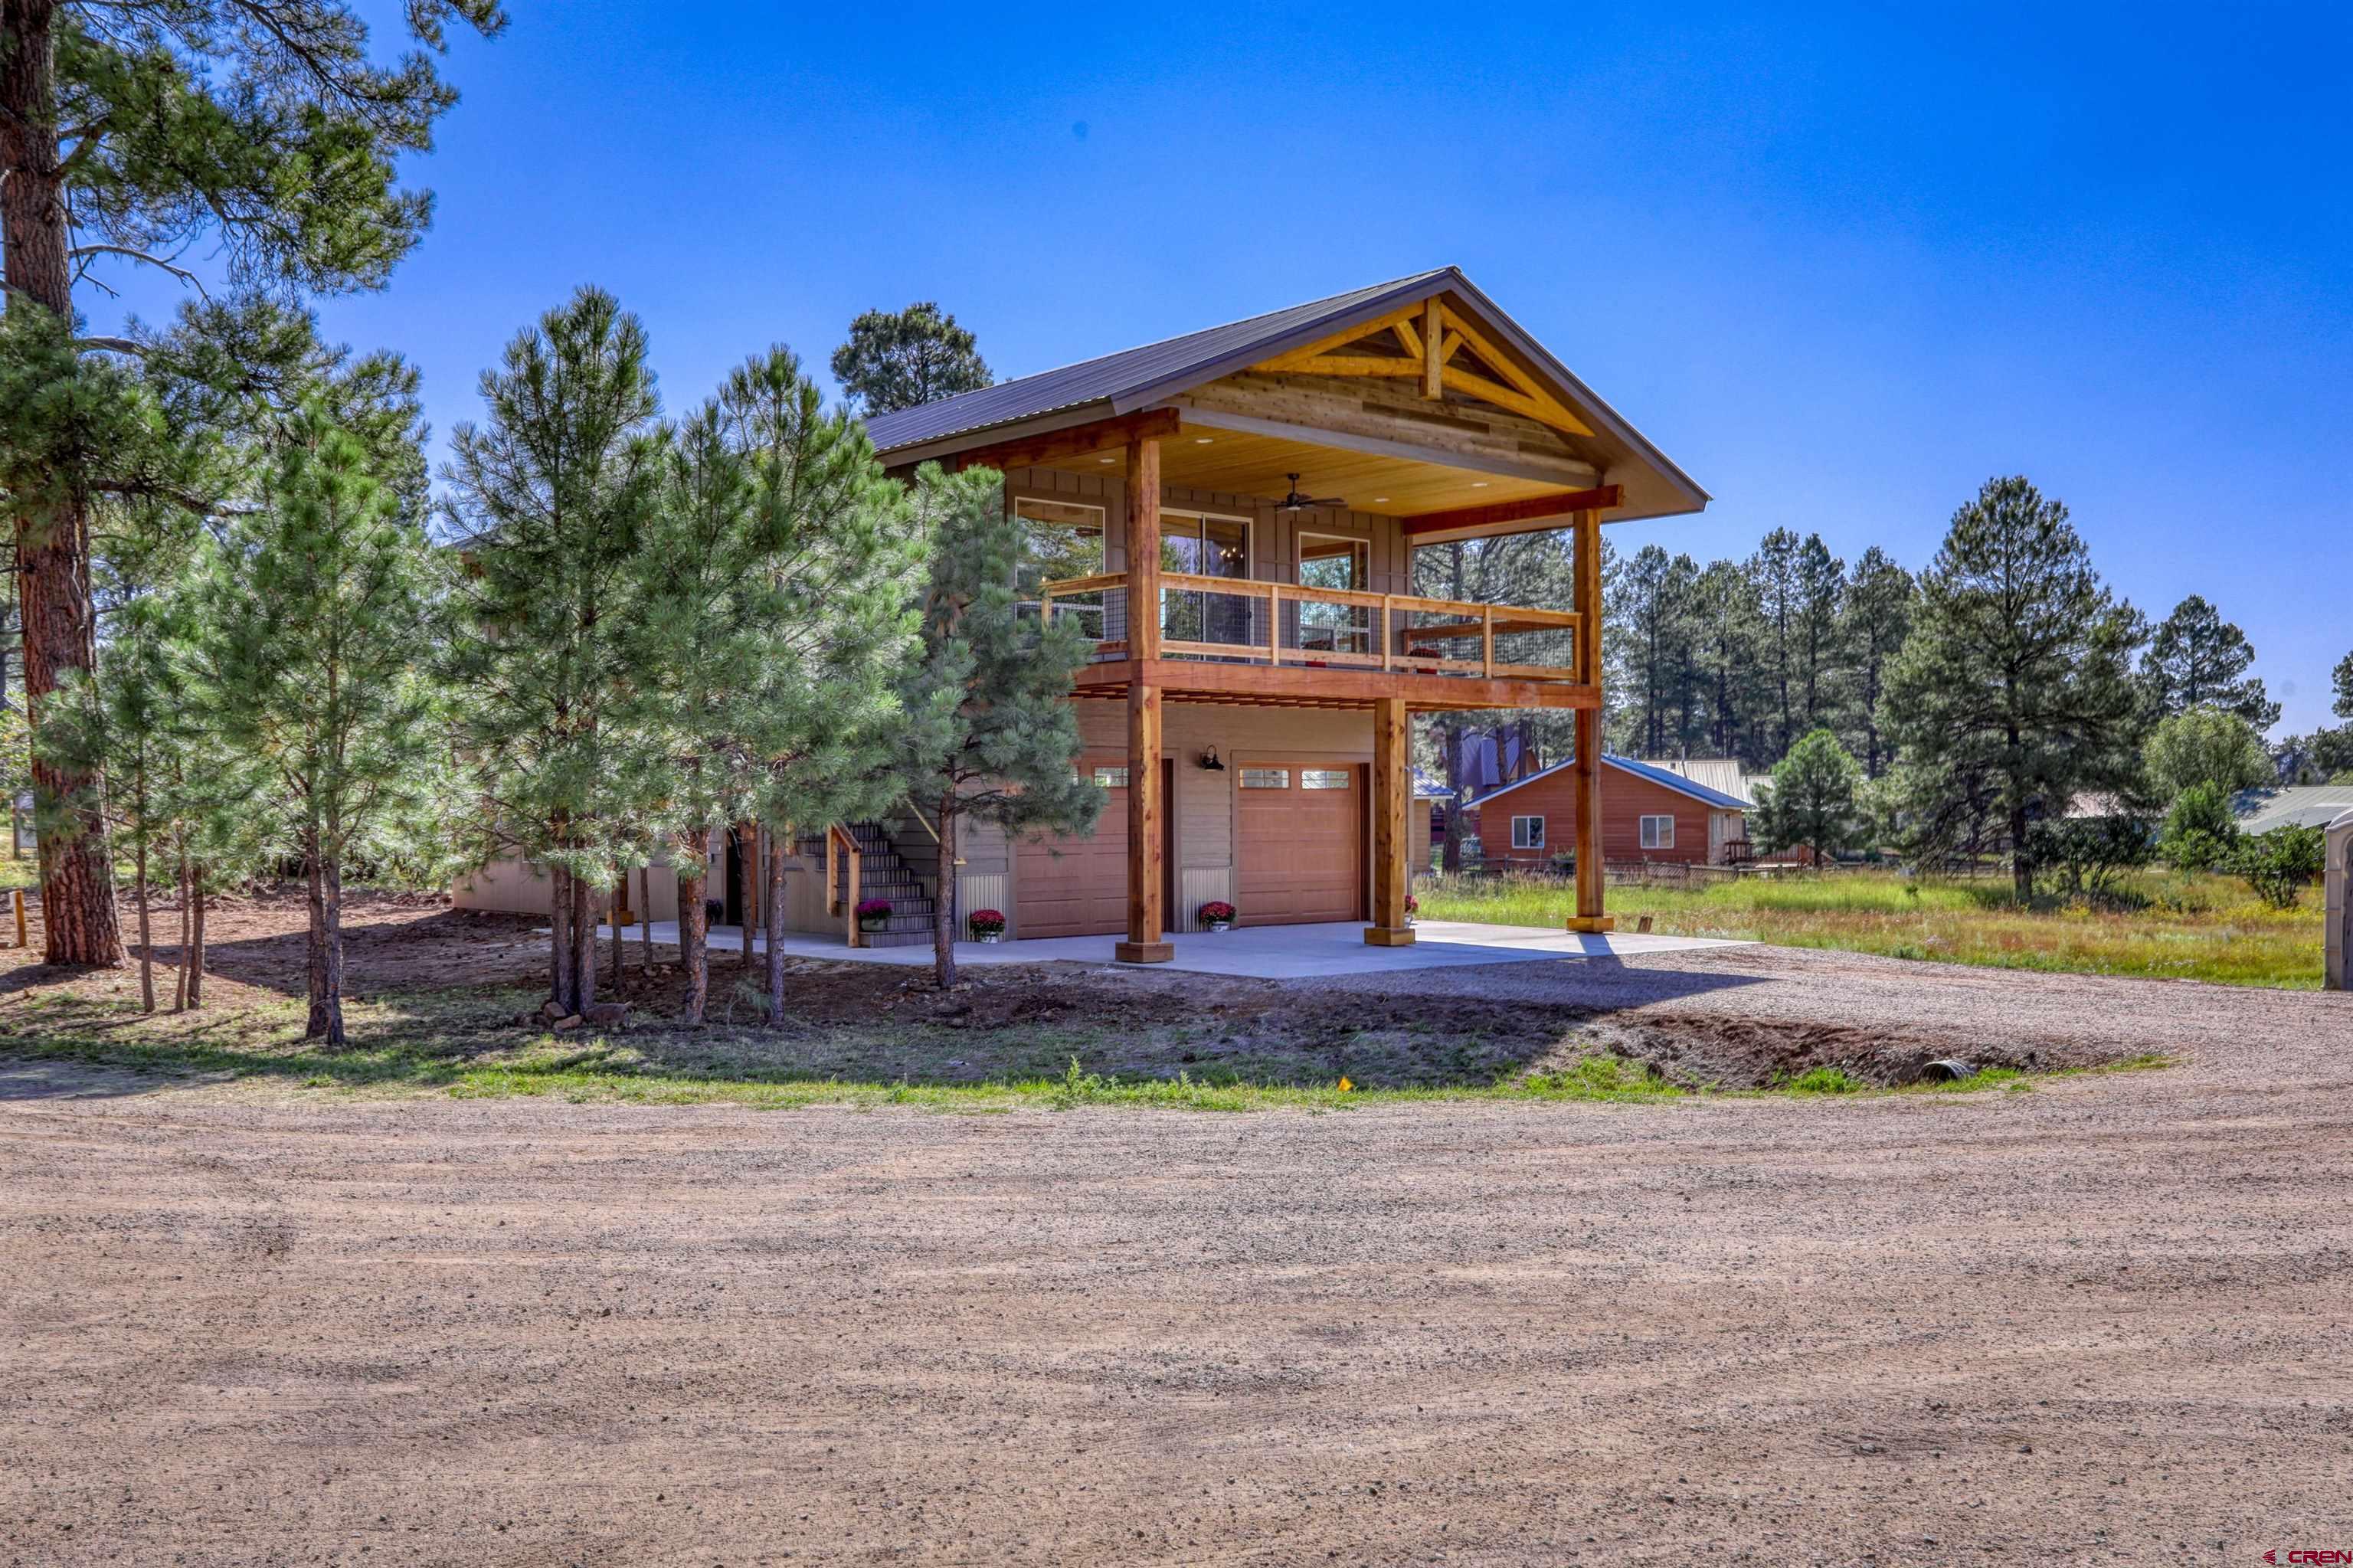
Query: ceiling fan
pixel 1294 502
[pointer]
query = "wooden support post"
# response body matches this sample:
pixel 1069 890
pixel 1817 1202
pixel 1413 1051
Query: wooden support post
pixel 1433 362
pixel 1487 643
pixel 1145 943
pixel 1144 548
pixel 1275 623
pixel 20 915
pixel 1590 916
pixel 1392 796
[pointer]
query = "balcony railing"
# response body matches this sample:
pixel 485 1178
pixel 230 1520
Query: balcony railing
pixel 1237 620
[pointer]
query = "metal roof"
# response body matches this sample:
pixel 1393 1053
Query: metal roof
pixel 2303 806
pixel 1136 377
pixel 1116 375
pixel 1656 775
pixel 1721 774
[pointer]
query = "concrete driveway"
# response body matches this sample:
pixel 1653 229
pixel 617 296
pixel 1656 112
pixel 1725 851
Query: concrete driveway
pixel 1252 952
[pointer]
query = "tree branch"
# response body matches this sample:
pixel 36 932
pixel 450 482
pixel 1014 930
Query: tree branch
pixel 81 252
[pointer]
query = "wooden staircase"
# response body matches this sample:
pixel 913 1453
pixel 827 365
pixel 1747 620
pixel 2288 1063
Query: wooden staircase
pixel 882 873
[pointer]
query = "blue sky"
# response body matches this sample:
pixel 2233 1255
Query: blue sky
pixel 1842 265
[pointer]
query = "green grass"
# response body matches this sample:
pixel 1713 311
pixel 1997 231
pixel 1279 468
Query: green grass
pixel 2191 928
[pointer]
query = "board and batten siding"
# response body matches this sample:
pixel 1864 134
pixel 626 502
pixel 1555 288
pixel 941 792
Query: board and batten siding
pixel 1626 799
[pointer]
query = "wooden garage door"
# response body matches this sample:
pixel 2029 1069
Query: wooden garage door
pixel 1301 843
pixel 1083 890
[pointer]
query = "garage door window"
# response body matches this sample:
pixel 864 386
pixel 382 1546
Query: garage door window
pixel 1266 778
pixel 1322 779
pixel 1658 832
pixel 1527 832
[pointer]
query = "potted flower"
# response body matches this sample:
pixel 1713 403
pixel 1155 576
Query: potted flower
pixel 988 925
pixel 873 913
pixel 1412 910
pixel 1218 915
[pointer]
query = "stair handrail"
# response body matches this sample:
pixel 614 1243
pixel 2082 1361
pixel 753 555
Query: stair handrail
pixel 839 841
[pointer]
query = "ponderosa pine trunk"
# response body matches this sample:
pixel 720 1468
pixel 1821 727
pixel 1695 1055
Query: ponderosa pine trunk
pixel 314 879
pixel 584 943
pixel 331 945
pixel 693 925
pixel 147 945
pixel 2021 864
pixel 188 936
pixel 561 990
pixel 944 962
pixel 646 926
pixel 772 921
pixel 78 922
pixel 197 945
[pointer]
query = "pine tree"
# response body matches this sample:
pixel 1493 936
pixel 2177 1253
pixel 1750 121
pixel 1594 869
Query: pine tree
pixel 1820 628
pixel 1730 625
pixel 2196 659
pixel 990 732
pixel 129 132
pixel 1779 588
pixel 829 559
pixel 553 494
pixel 2015 690
pixel 2342 679
pixel 1654 611
pixel 1878 616
pixel 1812 803
pixel 897 359
pixel 320 629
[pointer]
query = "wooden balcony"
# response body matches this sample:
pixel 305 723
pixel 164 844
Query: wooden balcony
pixel 1239 641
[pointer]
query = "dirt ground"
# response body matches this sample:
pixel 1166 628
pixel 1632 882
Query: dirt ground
pixel 2101 1321
pixel 1732 1018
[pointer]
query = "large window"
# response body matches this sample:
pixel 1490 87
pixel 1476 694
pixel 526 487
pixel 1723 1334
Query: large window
pixel 1326 561
pixel 1065 539
pixel 1658 832
pixel 1527 832
pixel 1205 546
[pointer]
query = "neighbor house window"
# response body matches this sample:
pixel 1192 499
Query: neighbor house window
pixel 1658 832
pixel 1111 777
pixel 1527 832
pixel 1322 779
pixel 1266 778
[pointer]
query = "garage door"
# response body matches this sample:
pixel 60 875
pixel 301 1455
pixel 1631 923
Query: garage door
pixel 1077 888
pixel 1302 843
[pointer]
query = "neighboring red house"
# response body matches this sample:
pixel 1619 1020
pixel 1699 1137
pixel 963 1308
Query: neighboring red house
pixel 1646 813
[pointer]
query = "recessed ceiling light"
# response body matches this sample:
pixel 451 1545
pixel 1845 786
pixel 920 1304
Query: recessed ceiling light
pixel 1378 499
pixel 1478 484
pixel 1203 440
pixel 1107 459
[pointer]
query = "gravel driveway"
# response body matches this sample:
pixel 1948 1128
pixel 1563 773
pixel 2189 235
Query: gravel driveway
pixel 2104 1321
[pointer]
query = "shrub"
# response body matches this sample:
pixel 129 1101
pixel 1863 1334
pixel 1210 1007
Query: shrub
pixel 1216 909
pixel 2085 857
pixel 986 922
pixel 2200 831
pixel 2280 864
